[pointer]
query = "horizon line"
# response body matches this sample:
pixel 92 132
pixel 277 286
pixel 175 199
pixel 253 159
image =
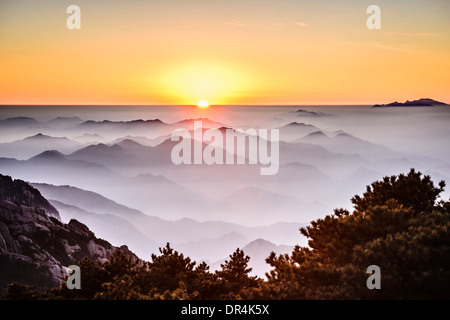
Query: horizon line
pixel 177 105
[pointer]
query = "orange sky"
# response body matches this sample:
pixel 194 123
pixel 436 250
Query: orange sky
pixel 225 52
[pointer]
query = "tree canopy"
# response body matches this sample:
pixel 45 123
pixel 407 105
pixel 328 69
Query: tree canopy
pixel 399 224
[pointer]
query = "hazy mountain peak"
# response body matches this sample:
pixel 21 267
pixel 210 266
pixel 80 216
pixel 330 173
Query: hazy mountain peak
pixel 19 121
pixel 298 124
pixel 146 121
pixel 84 199
pixel 338 132
pixel 206 123
pixel 304 112
pixel 195 119
pixel 43 137
pixel 250 191
pixel 361 171
pixel 316 134
pixel 49 155
pixel 91 135
pixel 297 164
pixel 224 129
pixel 136 121
pixel 65 120
pixel 100 147
pixel 39 135
pixel 129 143
pixel 344 134
pixel 259 243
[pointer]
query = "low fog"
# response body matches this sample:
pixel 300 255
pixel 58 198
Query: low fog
pixel 111 168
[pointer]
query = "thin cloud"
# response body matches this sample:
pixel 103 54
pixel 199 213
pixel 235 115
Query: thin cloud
pixel 383 46
pixel 405 33
pixel 301 24
pixel 236 23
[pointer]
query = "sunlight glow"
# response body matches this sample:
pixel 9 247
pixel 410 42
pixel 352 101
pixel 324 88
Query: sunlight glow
pixel 203 82
pixel 203 104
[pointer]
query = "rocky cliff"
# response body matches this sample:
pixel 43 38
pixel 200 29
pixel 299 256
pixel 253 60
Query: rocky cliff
pixel 19 191
pixel 35 247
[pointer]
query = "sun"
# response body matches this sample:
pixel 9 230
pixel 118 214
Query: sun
pixel 203 104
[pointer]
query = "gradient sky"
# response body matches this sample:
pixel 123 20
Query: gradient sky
pixel 226 51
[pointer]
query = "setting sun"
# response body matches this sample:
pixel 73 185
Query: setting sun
pixel 203 104
pixel 216 81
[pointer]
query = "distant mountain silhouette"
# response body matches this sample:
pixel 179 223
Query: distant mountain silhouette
pixel 33 145
pixel 296 130
pixel 327 161
pixel 212 249
pixel 313 137
pixel 52 142
pixel 64 122
pixel 356 182
pixel 138 122
pixel 302 181
pixel 152 194
pixel 37 136
pixel 148 128
pixel 53 167
pixel 86 200
pixel 89 138
pixel 118 231
pixel 206 123
pixel 129 156
pixel 254 204
pixel 129 144
pixel 48 155
pixel 141 140
pixel 347 144
pixel 258 250
pixel 309 113
pixel 101 154
pixel 19 122
pixel 217 239
pixel 424 102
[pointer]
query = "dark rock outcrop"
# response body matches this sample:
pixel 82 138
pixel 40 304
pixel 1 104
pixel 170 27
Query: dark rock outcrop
pixel 18 191
pixel 424 102
pixel 36 248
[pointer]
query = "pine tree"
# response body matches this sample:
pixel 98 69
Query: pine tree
pixel 235 272
pixel 398 224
